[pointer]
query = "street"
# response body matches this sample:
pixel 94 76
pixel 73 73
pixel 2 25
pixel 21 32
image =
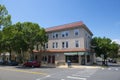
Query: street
pixel 19 73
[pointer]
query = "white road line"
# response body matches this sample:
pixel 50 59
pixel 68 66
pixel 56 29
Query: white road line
pixel 103 68
pixel 62 79
pixel 48 75
pixel 116 69
pixel 81 75
pixel 43 77
pixel 109 68
pixel 76 78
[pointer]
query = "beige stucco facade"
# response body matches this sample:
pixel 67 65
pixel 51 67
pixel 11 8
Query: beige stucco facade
pixel 69 41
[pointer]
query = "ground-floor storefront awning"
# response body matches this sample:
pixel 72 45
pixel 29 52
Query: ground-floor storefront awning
pixel 77 53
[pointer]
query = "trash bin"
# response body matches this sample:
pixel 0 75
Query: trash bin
pixel 69 63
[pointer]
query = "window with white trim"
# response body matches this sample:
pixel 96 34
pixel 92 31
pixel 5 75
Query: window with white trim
pixel 76 32
pixel 65 44
pixel 76 43
pixel 55 35
pixel 55 45
pixel 46 45
pixel 65 33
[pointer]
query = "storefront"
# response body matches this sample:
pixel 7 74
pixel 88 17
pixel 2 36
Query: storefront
pixel 78 57
pixel 81 58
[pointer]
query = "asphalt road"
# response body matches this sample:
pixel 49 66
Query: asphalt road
pixel 19 73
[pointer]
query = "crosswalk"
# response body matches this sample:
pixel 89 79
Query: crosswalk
pixel 73 74
pixel 82 75
pixel 76 75
pixel 115 69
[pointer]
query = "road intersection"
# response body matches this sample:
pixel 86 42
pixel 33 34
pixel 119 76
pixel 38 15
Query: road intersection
pixel 82 73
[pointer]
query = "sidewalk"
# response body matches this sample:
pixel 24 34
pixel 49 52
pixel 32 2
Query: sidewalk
pixel 79 66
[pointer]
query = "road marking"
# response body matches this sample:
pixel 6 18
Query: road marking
pixel 103 68
pixel 116 69
pixel 109 68
pixel 81 75
pixel 25 71
pixel 76 78
pixel 43 77
pixel 48 76
pixel 62 79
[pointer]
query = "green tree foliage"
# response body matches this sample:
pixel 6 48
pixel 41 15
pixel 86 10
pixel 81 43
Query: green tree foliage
pixel 22 37
pixel 5 21
pixel 114 47
pixel 33 35
pixel 105 46
pixel 5 18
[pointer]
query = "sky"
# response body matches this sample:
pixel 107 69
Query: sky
pixel 102 17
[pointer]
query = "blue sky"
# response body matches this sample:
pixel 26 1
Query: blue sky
pixel 102 17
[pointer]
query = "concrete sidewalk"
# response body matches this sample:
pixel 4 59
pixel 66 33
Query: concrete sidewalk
pixel 78 66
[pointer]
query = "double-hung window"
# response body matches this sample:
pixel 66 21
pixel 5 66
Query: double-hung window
pixel 65 33
pixel 65 44
pixel 76 43
pixel 55 45
pixel 76 32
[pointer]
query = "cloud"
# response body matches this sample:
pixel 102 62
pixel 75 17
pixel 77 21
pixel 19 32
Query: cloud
pixel 116 40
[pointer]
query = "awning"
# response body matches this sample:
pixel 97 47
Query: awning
pixel 71 53
pixel 81 53
pixel 77 53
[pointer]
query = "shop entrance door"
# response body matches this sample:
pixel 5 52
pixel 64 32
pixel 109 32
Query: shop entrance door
pixel 72 58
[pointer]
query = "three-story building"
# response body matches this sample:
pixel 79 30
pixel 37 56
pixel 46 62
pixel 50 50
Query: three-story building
pixel 68 42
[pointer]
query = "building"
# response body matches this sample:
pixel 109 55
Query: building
pixel 68 42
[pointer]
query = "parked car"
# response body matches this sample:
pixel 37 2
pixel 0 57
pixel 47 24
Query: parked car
pixel 1 62
pixel 13 63
pixel 31 64
pixel 114 61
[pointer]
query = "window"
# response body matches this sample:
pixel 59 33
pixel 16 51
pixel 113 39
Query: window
pixel 76 43
pixel 65 44
pixel 46 45
pixel 65 33
pixel 76 32
pixel 55 35
pixel 55 44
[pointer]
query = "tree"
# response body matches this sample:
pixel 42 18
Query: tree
pixel 33 35
pixel 113 53
pixel 20 46
pixel 5 18
pixel 102 46
pixel 7 42
pixel 5 21
pixel 26 36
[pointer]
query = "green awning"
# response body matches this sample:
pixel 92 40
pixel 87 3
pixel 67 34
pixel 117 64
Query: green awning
pixel 87 53
pixel 81 53
pixel 71 53
pixel 77 53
